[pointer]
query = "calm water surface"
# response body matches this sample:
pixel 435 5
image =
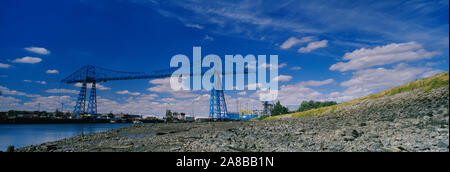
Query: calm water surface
pixel 21 135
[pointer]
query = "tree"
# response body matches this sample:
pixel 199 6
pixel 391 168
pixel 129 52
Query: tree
pixel 308 105
pixel 169 116
pixel 58 113
pixel 279 109
pixel 12 114
pixel 110 115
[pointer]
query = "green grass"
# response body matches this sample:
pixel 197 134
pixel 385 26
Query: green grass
pixel 427 84
pixel 262 117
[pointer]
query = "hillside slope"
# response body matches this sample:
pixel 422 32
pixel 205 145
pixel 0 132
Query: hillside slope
pixel 426 84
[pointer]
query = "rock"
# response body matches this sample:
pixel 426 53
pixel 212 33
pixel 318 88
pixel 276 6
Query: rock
pixel 442 144
pixel 391 149
pixel 349 138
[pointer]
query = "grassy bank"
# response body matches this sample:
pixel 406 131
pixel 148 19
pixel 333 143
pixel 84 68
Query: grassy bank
pixel 427 84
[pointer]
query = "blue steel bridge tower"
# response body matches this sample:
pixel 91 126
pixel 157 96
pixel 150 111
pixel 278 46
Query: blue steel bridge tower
pixel 217 104
pixel 91 75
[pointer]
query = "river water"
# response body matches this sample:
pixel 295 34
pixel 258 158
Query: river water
pixel 21 135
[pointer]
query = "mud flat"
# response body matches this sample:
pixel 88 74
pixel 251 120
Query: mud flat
pixel 411 121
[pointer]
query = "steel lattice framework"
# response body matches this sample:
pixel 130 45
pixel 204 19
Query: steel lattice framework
pixel 92 75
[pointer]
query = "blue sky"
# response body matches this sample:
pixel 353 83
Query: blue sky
pixel 328 50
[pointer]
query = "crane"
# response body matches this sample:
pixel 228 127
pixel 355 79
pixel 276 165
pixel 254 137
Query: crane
pixel 90 74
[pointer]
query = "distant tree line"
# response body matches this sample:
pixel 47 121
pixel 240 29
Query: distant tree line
pixel 308 105
pixel 279 109
pixel 40 114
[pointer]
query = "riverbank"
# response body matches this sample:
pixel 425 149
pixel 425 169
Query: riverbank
pixel 411 121
pixel 69 121
pixel 21 135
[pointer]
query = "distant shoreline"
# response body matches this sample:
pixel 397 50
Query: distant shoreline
pixel 66 121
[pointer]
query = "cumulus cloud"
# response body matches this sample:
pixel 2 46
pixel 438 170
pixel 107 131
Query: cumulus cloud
pixel 316 83
pixel 296 68
pixel 431 73
pixel 313 45
pixel 38 50
pixel 163 86
pixel 68 91
pixel 292 41
pixel 7 91
pixel 4 66
pixel 39 82
pixel 365 82
pixel 208 38
pixel 197 26
pixel 242 93
pixel 128 93
pixel 8 103
pixel 52 71
pixel 292 94
pixel 97 85
pixel 265 65
pixel 383 55
pixel 49 103
pixel 282 78
pixel 27 59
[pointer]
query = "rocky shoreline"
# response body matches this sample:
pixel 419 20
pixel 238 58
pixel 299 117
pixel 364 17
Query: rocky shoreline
pixel 409 121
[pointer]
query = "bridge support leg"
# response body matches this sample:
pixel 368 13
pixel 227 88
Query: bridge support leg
pixel 217 105
pixel 92 105
pixel 80 107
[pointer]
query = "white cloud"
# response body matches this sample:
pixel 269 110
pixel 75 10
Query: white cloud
pixel 27 59
pixel 265 65
pixel 292 94
pixel 168 100
pixel 242 93
pixel 282 78
pixel 7 91
pixel 209 38
pixel 197 26
pixel 373 21
pixel 296 68
pixel 5 66
pixel 39 82
pixel 8 103
pixel 313 45
pixel 431 73
pixel 68 91
pixel 97 85
pixel 52 71
pixel 38 50
pixel 50 103
pixel 369 81
pixel 383 55
pixel 128 92
pixel 163 86
pixel 316 83
pixel 294 41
